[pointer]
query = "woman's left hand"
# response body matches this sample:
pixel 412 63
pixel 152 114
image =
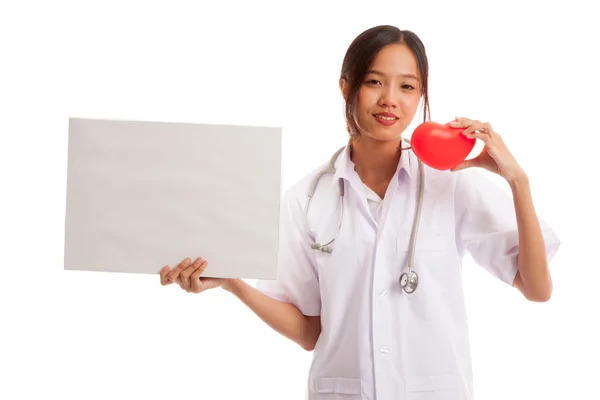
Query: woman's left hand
pixel 495 156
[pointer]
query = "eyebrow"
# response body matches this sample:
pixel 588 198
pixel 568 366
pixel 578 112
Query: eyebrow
pixel 374 71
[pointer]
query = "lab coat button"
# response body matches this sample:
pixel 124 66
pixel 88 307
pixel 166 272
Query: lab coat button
pixel 384 350
pixel 383 293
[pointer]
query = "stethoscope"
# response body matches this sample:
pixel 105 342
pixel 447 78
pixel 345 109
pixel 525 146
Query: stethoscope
pixel 409 280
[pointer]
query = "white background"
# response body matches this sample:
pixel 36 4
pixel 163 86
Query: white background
pixel 529 68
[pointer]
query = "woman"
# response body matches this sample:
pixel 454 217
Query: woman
pixel 372 339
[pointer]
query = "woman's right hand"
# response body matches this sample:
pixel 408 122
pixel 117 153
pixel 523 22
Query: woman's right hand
pixel 188 276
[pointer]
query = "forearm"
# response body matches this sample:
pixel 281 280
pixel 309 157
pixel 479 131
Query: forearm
pixel 283 317
pixel 532 262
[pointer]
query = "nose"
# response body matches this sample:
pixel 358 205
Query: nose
pixel 389 97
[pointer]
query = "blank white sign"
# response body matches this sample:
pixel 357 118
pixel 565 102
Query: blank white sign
pixel 141 195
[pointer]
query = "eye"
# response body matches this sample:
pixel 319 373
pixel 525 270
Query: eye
pixel 408 87
pixel 373 82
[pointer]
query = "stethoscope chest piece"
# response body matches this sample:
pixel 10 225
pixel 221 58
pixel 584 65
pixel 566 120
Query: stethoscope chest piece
pixel 409 281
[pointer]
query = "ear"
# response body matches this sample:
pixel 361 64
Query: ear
pixel 344 88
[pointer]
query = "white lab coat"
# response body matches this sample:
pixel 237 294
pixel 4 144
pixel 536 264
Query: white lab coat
pixel 378 342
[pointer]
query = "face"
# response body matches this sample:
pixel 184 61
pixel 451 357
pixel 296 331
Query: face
pixel 389 95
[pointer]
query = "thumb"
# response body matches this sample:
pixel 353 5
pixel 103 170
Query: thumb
pixel 163 276
pixel 463 165
pixel 473 162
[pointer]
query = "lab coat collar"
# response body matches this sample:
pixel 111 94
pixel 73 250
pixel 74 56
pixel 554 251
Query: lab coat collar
pixel 344 166
pixel 407 161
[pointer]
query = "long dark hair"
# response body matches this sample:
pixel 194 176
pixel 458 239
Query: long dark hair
pixel 361 55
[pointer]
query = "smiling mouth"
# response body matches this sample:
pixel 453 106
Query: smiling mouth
pixel 386 118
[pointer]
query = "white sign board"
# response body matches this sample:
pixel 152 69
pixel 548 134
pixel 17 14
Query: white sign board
pixel 141 195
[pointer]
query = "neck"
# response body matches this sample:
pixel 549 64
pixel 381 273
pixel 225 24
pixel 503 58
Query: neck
pixel 376 162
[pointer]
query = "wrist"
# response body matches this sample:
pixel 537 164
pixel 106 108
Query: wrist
pixel 519 182
pixel 231 284
pixel 518 179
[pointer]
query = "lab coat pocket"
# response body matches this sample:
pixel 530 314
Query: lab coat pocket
pixel 433 387
pixel 337 389
pixel 431 262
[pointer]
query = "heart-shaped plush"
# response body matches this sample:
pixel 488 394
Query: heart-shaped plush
pixel 441 146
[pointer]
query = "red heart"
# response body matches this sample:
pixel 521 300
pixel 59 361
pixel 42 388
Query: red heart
pixel 441 146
